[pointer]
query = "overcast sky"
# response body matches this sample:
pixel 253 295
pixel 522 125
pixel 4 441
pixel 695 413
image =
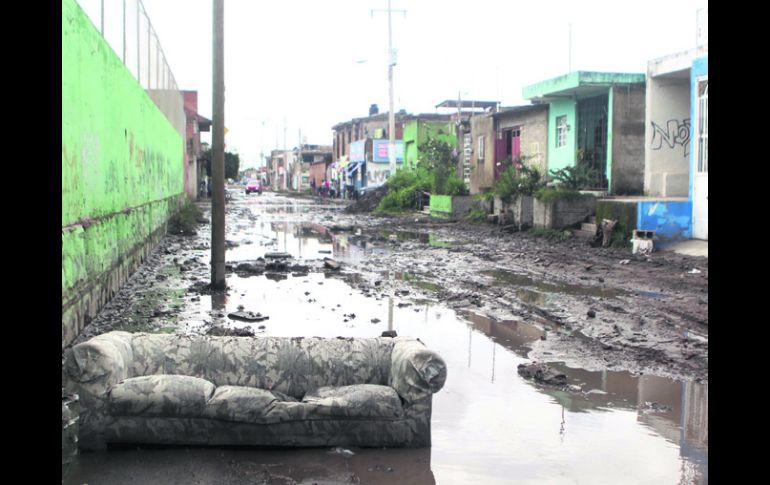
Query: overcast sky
pixel 307 65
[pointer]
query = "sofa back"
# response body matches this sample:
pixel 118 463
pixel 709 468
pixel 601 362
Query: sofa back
pixel 292 366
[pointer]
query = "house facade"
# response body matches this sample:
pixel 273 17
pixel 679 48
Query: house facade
pixel 424 127
pixel 195 169
pixel 676 138
pixel 596 121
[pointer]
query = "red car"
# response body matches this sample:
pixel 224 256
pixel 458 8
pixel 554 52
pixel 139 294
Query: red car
pixel 253 186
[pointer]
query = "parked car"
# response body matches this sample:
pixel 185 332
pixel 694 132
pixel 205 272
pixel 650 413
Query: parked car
pixel 254 186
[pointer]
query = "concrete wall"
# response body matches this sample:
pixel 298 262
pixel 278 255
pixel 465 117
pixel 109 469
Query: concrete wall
pixel 672 220
pixel 452 207
pixel 561 213
pixel 667 137
pixel 482 171
pixel 626 139
pixel 534 135
pixel 562 157
pixel 122 171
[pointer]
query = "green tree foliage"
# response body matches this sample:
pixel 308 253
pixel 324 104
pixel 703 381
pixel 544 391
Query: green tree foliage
pixel 437 157
pixel 516 180
pixel 578 177
pixel 232 163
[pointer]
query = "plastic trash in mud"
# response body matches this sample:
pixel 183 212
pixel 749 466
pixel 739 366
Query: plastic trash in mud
pixel 341 451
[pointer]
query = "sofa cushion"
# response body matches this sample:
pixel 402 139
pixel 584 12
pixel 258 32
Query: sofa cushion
pixel 246 405
pixel 160 395
pixel 357 401
pixel 292 366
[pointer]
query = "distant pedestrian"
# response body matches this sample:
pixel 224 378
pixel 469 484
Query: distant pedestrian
pixel 209 188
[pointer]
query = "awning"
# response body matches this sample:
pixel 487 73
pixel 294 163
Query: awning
pixel 352 167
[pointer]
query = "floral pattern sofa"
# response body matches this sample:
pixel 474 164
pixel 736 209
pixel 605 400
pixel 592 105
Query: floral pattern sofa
pixel 268 391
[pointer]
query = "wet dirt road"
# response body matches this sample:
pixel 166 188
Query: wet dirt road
pixel 634 410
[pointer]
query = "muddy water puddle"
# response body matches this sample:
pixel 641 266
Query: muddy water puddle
pixel 490 424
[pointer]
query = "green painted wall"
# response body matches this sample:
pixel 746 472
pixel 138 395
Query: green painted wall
pixel 122 170
pixel 562 157
pixel 441 206
pixel 417 132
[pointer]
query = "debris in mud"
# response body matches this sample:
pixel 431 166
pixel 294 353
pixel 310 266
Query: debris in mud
pixel 591 314
pixel 654 407
pixel 247 316
pixel 278 255
pixel 376 320
pixel 331 264
pixel 341 451
pixel 249 267
pixel 542 373
pixel 230 332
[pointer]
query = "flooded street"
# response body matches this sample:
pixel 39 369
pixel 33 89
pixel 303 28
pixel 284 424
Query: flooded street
pixel 616 421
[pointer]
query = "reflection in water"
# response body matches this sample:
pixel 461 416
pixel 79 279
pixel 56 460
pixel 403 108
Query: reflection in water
pixel 677 411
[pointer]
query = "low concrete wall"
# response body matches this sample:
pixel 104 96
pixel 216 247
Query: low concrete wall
pixel 561 213
pixel 519 212
pixel 452 207
pixel 671 220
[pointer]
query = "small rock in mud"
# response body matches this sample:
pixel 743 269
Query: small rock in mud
pixel 542 373
pixel 376 320
pixel 389 333
pixel 591 314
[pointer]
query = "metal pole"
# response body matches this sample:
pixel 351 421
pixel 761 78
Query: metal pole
pixel 102 18
pixel 218 153
pixel 391 114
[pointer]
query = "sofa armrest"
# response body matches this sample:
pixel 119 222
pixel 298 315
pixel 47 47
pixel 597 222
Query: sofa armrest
pixel 93 367
pixel 416 371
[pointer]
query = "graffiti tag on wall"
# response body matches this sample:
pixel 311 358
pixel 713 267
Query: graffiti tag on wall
pixel 675 133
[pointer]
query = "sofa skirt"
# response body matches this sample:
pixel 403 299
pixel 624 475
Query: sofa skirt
pixel 406 432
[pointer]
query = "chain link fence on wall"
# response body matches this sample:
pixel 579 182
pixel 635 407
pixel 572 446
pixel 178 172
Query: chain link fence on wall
pixel 127 28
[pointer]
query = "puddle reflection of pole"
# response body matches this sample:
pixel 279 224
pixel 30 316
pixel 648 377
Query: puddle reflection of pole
pixel 494 346
pixel 470 337
pixel 561 429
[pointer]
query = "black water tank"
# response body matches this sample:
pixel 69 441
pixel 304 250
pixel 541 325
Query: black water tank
pixel 373 110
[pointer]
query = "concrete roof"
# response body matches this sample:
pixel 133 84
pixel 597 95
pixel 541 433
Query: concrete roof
pixel 580 82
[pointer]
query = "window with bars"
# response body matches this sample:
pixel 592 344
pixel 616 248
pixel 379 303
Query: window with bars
pixel 703 126
pixel 561 131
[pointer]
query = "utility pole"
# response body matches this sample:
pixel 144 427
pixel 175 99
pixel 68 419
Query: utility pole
pixel 391 113
pixel 218 153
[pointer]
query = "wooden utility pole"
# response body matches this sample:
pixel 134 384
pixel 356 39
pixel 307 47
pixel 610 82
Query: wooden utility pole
pixel 218 153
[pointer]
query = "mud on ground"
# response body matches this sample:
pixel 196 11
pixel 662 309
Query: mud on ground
pixel 601 308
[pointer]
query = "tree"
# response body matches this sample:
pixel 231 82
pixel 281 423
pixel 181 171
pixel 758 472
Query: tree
pixel 232 163
pixel 438 158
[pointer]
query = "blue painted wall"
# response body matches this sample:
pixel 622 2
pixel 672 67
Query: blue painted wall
pixel 670 220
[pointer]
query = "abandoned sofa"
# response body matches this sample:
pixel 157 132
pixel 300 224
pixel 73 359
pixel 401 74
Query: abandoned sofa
pixel 270 391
